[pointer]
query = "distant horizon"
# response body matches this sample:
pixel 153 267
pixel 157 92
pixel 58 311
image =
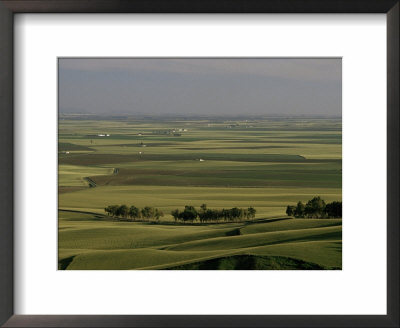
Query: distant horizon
pixel 198 116
pixel 201 86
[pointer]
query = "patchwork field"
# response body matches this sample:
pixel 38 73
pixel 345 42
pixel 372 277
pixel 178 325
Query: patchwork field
pixel 169 163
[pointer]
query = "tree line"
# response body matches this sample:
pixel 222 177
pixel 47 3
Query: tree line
pixel 315 208
pixel 133 212
pixel 204 214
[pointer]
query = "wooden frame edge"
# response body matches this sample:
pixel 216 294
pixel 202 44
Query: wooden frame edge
pixel 9 7
pixel 6 165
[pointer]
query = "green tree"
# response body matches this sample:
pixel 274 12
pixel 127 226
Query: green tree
pixel 315 208
pixel 175 214
pixel 252 212
pixel 108 210
pixel 290 210
pixel 189 214
pixel 123 211
pixel 112 210
pixel 334 209
pixel 134 212
pixel 299 212
pixel 202 214
pixel 148 212
pixel 235 213
pixel 158 213
pixel 203 207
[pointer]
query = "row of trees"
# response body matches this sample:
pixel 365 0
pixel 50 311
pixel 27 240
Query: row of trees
pixel 133 212
pixel 315 208
pixel 190 214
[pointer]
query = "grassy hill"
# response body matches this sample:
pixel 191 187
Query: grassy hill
pixel 94 242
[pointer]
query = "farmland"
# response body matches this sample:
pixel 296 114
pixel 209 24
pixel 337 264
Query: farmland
pixel 265 163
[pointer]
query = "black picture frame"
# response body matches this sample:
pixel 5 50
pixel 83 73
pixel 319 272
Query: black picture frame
pixel 10 7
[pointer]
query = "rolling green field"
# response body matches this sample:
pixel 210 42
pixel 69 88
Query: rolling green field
pixel 169 163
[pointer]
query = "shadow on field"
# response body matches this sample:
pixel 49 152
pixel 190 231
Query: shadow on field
pixel 249 222
pixel 63 264
pixel 93 216
pixel 266 220
pixel 337 246
pixel 234 232
pixel 251 262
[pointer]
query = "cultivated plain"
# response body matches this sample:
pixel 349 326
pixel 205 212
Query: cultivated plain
pixel 167 163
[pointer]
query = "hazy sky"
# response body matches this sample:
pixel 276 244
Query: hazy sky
pixel 201 86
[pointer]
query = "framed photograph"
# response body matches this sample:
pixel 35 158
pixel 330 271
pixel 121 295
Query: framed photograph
pixel 207 163
pixel 199 164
